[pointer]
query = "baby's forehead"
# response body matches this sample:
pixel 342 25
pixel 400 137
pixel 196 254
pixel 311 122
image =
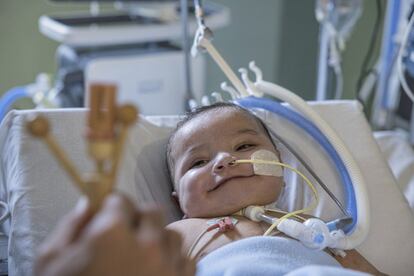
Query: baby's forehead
pixel 224 120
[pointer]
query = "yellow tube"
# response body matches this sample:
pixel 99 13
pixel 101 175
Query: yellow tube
pixel 307 181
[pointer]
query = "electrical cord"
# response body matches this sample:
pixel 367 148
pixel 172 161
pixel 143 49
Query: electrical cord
pixel 311 172
pixel 307 181
pixel 365 71
pixel 190 251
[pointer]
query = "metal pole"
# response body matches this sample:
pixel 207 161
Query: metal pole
pixel 186 51
pixel 322 64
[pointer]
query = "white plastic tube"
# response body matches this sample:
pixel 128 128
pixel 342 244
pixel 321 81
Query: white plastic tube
pixel 362 202
pixel 206 44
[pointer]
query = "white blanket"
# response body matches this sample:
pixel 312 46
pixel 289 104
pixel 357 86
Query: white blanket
pixel 269 256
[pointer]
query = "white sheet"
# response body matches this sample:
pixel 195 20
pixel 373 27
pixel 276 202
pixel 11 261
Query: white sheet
pixel 397 150
pixel 38 193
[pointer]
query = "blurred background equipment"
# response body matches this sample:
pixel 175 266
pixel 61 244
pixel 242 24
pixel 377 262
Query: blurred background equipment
pixel 393 103
pixel 139 46
pixel 337 19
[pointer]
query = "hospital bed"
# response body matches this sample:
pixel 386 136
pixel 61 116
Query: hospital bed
pixel 38 193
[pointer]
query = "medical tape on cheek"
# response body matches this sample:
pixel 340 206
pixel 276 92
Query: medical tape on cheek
pixel 264 163
pixel 269 169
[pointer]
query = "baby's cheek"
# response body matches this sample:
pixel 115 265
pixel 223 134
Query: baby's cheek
pixel 192 207
pixel 271 189
pixel 191 199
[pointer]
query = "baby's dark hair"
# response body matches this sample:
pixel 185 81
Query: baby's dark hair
pixel 199 111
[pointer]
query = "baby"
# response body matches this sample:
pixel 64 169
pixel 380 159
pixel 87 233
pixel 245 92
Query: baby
pixel 208 184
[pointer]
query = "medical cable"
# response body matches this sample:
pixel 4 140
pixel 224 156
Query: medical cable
pixel 356 187
pixel 190 251
pixel 365 71
pixel 347 168
pixel 283 212
pixel 358 229
pixel 10 97
pixel 400 69
pixel 356 190
pixel 307 181
pixel 315 133
pixel 336 148
pixel 311 172
pixel 36 91
pixel 222 224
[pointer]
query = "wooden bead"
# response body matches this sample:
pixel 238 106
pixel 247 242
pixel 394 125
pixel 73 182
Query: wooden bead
pixel 127 114
pixel 38 126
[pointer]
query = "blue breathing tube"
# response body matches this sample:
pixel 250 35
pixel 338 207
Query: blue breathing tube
pixel 312 130
pixel 10 97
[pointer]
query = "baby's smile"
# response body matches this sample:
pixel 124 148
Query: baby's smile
pixel 222 182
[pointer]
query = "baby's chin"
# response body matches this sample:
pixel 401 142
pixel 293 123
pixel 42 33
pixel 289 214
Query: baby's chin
pixel 218 207
pixel 224 210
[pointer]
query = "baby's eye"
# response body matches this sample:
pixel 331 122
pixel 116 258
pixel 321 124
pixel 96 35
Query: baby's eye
pixel 198 163
pixel 244 147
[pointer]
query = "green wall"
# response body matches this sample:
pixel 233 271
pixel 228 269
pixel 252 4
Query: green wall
pixel 251 35
pixel 280 35
pixel 358 45
pixel 24 52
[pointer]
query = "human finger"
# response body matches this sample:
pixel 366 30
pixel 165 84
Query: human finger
pixel 151 224
pixel 173 244
pixel 188 268
pixel 173 251
pixel 71 224
pixel 64 234
pixel 117 213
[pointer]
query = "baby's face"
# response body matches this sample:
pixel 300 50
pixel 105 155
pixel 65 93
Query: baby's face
pixel 207 183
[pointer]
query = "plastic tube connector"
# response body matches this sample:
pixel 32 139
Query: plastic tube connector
pixel 308 236
pixel 253 212
pixel 313 233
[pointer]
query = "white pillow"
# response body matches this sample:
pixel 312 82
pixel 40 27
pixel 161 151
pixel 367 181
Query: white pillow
pixel 39 193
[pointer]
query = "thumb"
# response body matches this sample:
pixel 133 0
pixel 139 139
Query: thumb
pixel 71 224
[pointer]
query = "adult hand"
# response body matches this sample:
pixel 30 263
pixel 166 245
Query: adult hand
pixel 118 240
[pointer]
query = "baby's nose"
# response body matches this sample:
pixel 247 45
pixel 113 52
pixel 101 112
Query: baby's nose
pixel 223 160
